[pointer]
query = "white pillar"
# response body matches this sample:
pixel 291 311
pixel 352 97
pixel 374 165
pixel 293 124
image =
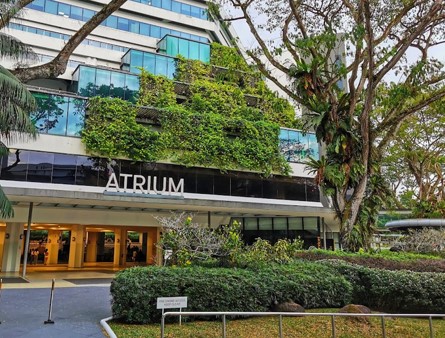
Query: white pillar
pixel 12 247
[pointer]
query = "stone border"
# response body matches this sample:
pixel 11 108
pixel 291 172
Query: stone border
pixel 107 327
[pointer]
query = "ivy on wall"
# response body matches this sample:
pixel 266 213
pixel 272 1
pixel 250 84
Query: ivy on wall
pixel 214 127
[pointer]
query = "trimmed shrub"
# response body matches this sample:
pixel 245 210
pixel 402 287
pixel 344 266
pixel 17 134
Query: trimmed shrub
pixel 394 291
pixel 135 290
pixel 384 260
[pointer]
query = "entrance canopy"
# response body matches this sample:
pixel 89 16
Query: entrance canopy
pixel 417 223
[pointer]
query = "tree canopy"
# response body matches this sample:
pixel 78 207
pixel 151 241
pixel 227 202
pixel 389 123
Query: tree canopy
pixel 338 57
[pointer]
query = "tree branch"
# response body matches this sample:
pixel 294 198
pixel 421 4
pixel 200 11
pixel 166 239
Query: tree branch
pixel 58 65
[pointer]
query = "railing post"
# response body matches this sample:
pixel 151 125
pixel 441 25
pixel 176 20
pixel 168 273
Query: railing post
pixel 431 328
pixel 333 325
pixel 281 326
pixel 162 325
pixel 224 326
pixel 383 327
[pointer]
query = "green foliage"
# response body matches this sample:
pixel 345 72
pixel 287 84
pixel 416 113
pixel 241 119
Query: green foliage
pixel 112 131
pixel 397 291
pixel 214 127
pixel 135 290
pixel 261 253
pixel 155 91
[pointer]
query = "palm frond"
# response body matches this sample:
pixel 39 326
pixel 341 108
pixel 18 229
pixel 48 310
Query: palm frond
pixel 6 210
pixel 15 49
pixel 16 102
pixel 3 149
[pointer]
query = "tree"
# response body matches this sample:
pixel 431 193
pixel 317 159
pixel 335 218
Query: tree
pixel 16 102
pixel 57 66
pixel 341 92
pixel 415 162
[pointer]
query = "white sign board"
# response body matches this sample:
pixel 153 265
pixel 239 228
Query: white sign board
pixel 171 302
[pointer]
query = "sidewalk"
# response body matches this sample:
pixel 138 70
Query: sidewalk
pixel 80 301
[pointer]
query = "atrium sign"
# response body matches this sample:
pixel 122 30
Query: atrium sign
pixel 144 185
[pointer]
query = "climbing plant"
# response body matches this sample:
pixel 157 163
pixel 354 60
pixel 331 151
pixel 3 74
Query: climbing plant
pixel 215 126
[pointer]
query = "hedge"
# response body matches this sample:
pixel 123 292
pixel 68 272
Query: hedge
pixel 135 290
pixel 399 291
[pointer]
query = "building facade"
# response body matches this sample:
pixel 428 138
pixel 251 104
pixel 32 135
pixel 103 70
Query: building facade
pixel 92 211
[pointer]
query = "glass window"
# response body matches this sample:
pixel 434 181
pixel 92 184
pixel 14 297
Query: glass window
pixel 51 7
pixel 86 171
pixel 222 185
pixel 250 223
pixel 149 62
pixel 111 21
pixel 57 117
pixel 205 184
pixel 269 189
pixel 204 52
pixel 186 9
pixel 132 86
pixel 295 223
pixel 202 39
pixel 280 223
pixel 64 9
pixel 195 12
pixel 40 167
pixel 133 26
pixel 312 191
pixel 38 5
pixel 176 7
pixel 194 50
pixel 161 65
pixel 254 188
pixel 87 14
pixel 103 79
pixel 183 48
pixel 265 223
pixel 155 32
pixel 76 116
pixel 185 35
pixel 64 169
pixel 136 61
pixel 156 3
pixel 16 166
pixel 164 31
pixel 313 146
pixel 145 29
pixel 171 68
pixel 40 116
pixel 123 24
pixel 87 80
pixel 167 4
pixel 117 85
pixel 189 182
pixel 172 46
pixel 310 227
pixel 204 14
pixel 76 13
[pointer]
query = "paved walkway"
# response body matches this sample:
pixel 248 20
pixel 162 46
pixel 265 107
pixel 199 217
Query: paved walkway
pixel 81 300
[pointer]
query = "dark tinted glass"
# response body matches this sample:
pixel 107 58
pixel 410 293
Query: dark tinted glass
pixel 86 171
pixel 40 166
pixel 205 184
pixel 64 169
pixel 14 167
pixel 222 185
pixel 254 188
pixel 238 186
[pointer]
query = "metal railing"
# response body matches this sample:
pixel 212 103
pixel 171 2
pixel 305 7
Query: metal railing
pixel 223 315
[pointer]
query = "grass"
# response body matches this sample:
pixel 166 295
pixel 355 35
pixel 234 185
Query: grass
pixel 267 327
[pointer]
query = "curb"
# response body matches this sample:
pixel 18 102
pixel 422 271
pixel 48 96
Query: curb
pixel 107 327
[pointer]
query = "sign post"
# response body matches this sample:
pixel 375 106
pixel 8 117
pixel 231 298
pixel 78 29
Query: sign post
pixel 172 303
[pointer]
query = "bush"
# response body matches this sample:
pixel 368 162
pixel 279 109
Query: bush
pixel 383 260
pixel 394 291
pixel 135 290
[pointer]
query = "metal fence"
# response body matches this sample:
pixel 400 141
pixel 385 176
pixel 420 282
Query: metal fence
pixel 223 315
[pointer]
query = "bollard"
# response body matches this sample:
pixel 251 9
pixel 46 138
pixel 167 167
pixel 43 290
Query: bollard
pixel 49 321
pixel 1 286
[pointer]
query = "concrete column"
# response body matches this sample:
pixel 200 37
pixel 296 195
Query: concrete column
pixel 151 246
pixel 77 246
pixel 159 260
pixel 120 247
pixel 2 242
pixel 12 247
pixel 53 245
pixel 92 247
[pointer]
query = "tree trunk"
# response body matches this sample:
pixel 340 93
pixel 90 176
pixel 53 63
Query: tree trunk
pixel 58 65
